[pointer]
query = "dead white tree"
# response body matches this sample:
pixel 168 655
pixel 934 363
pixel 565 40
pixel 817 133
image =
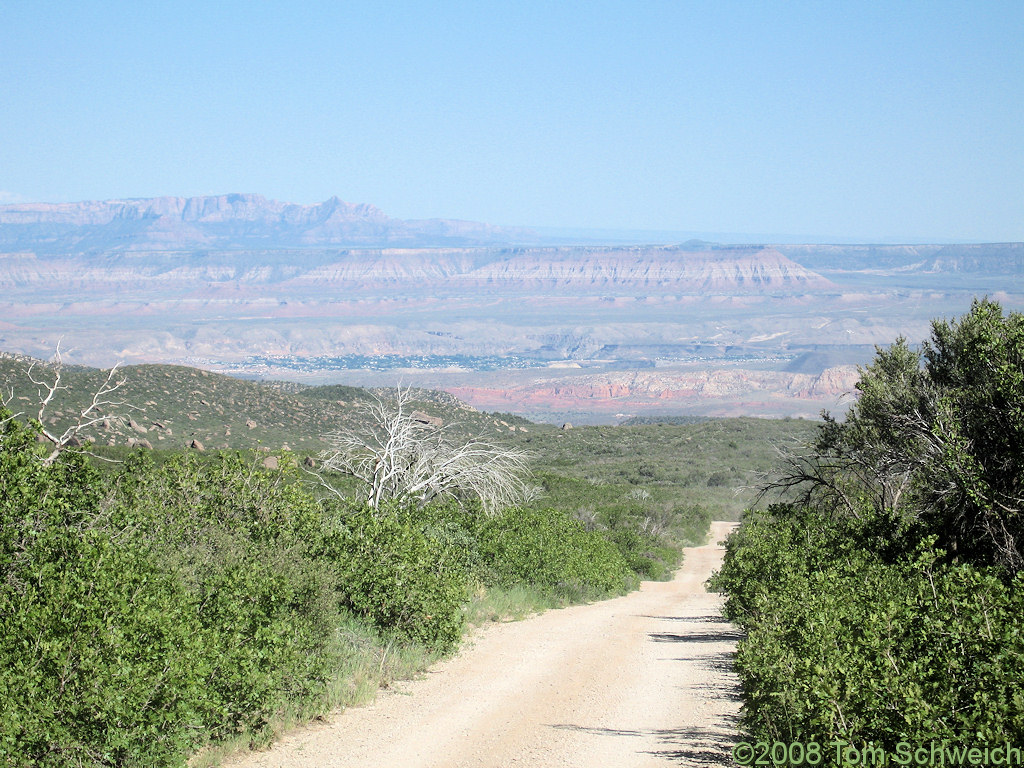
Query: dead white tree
pixel 6 413
pixel 395 456
pixel 101 407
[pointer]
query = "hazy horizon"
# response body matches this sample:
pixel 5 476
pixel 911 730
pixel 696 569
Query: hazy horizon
pixel 619 236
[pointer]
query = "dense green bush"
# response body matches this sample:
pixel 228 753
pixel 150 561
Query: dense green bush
pixel 843 645
pixel 139 624
pixel 263 609
pixel 647 527
pixel 884 604
pixel 552 550
pixel 84 643
pixel 395 573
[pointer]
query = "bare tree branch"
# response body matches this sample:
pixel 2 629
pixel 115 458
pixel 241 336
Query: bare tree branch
pixel 394 456
pixel 100 408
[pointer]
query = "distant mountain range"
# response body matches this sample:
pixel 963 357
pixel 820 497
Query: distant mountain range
pixel 226 222
pixel 340 292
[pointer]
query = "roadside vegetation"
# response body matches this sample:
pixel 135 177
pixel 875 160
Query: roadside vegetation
pixel 152 611
pixel 162 606
pixel 881 599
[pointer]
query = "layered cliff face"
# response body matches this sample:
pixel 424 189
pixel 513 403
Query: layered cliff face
pixel 410 272
pixel 650 270
pixel 961 258
pixel 720 392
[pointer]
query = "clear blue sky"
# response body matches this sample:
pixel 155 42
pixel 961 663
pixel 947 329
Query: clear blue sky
pixel 896 120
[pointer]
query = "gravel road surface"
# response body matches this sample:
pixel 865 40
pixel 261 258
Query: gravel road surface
pixel 641 680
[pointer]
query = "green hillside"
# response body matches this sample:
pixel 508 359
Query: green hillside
pixel 175 405
pixel 716 463
pixel 649 468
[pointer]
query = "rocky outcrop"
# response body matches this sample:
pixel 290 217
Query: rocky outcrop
pixel 426 419
pixel 757 390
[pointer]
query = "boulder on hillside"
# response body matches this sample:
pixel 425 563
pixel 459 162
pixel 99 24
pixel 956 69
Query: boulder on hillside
pixel 195 444
pixel 136 426
pixel 426 419
pixel 271 462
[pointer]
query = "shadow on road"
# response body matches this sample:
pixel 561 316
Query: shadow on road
pixel 702 746
pixel 709 619
pixel 724 636
pixel 723 633
pixel 719 662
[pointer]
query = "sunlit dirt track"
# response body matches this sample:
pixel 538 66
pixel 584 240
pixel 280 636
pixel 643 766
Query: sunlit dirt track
pixel 642 680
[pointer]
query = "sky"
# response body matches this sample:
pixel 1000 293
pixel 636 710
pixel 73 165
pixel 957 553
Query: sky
pixel 870 121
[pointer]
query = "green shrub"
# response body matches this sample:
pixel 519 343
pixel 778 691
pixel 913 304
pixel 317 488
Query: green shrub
pixel 139 624
pixel 100 665
pixel 265 610
pixel 843 645
pixel 94 653
pixel 390 571
pixel 884 605
pixel 552 550
pixel 644 554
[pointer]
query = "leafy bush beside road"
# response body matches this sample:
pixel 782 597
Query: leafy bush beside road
pixel 392 572
pixel 842 645
pixel 153 610
pixel 138 624
pixel 882 604
pixel 550 549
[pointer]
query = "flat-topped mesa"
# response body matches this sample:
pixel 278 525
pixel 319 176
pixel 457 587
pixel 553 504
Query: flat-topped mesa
pixel 580 272
pixel 658 270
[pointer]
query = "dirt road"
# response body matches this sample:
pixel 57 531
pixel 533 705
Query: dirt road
pixel 642 680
